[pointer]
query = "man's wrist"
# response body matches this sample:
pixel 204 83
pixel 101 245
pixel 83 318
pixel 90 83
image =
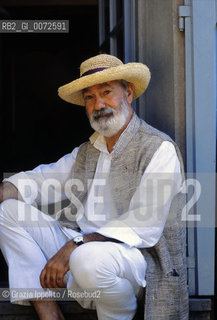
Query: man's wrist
pixel 79 240
pixel 70 245
pixel 98 237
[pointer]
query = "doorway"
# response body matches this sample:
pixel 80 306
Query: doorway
pixel 37 126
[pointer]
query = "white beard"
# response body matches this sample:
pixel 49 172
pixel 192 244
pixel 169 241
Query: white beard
pixel 111 125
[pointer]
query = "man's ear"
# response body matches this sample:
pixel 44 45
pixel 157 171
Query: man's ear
pixel 130 90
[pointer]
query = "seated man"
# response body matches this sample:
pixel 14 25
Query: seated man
pixel 124 187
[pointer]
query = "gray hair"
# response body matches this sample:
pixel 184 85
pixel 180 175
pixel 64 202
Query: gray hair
pixel 124 84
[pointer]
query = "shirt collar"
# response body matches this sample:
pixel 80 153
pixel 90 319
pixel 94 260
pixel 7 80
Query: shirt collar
pixel 98 141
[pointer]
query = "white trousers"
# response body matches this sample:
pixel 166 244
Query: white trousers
pixel 28 238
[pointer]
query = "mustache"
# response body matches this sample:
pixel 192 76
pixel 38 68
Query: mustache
pixel 103 112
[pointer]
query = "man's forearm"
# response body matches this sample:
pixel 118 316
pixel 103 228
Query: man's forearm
pixel 98 237
pixel 9 191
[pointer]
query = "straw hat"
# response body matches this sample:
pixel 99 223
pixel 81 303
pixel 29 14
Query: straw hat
pixel 104 68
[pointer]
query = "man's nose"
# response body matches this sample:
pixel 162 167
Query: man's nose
pixel 99 103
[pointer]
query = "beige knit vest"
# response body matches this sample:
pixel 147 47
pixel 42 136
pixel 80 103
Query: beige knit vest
pixel 166 291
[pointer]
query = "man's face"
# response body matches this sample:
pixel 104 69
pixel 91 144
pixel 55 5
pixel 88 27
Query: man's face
pixel 107 107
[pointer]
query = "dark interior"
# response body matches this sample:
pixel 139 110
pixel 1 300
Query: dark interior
pixel 36 125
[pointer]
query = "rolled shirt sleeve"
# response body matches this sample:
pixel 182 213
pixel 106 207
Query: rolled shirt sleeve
pixel 143 224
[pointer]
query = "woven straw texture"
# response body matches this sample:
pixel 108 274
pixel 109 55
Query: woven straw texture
pixel 135 72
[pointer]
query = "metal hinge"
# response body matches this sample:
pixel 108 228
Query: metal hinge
pixel 184 11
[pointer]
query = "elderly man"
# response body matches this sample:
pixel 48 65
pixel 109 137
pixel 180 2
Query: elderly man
pixel 124 187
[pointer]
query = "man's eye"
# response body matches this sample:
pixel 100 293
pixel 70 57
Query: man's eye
pixel 87 97
pixel 107 91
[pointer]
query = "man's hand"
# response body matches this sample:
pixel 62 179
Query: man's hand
pixel 53 273
pixel 9 191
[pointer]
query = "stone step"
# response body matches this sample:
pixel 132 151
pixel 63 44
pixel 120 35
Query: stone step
pixel 199 309
pixel 72 311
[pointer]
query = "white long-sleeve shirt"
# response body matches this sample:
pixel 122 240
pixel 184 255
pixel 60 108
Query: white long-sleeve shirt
pixel 142 225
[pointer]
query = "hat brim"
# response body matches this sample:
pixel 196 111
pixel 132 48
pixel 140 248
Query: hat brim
pixel 134 72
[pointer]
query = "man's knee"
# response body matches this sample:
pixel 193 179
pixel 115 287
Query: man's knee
pixel 12 210
pixel 8 205
pixel 92 265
